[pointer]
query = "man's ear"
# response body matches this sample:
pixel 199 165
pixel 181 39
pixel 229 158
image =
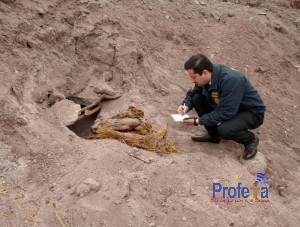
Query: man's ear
pixel 205 73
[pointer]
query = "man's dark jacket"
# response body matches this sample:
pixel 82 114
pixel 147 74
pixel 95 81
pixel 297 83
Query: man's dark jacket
pixel 229 93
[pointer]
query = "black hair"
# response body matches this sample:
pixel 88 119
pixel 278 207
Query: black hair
pixel 198 63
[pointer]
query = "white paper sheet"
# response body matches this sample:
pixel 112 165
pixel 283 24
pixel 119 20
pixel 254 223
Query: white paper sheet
pixel 179 117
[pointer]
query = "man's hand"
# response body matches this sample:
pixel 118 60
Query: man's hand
pixel 182 109
pixel 190 121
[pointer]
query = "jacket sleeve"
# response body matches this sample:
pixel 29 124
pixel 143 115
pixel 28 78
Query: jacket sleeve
pixel 189 95
pixel 231 94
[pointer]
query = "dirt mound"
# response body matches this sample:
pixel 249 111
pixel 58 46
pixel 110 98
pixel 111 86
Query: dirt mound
pixel 79 50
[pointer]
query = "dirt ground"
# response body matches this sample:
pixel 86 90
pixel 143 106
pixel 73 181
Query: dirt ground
pixel 57 50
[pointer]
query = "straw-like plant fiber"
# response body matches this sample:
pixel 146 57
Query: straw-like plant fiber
pixel 153 141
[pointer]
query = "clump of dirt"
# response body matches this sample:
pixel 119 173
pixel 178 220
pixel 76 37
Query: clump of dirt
pixel 295 3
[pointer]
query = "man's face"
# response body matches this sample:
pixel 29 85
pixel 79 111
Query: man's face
pixel 200 80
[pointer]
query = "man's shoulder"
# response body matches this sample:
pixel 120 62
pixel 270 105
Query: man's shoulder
pixel 226 76
pixel 230 74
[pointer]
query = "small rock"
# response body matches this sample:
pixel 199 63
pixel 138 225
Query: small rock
pixel 297 22
pixel 86 97
pixel 192 192
pixel 55 96
pixel 57 197
pixel 25 26
pixel 41 12
pixel 66 111
pixel 253 3
pixel 230 14
pixel 117 201
pixel 47 200
pixel 255 165
pixel 260 70
pixel 70 20
pixel 279 28
pixel 47 34
pixel 95 186
pixel 39 100
pixel 152 224
pixel 77 13
pixel 71 191
pixel 216 14
pixel 86 11
pixel 202 3
pixel 150 7
pixel 93 6
pixel 183 218
pixel 104 90
pixel 83 189
pixel 108 76
pixel 103 55
pixel 167 16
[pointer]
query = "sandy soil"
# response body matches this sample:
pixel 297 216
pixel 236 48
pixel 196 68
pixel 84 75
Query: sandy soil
pixel 53 50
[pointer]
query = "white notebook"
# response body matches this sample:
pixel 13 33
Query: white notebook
pixel 179 117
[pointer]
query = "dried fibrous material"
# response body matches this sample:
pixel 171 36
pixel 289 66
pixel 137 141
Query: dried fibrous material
pixel 154 141
pixel 144 128
pixel 128 127
pixel 131 112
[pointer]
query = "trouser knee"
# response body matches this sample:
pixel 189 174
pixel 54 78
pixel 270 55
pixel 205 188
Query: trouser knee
pixel 200 104
pixel 225 132
pixel 198 99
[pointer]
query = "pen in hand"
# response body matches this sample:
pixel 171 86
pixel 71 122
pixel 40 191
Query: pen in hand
pixel 183 109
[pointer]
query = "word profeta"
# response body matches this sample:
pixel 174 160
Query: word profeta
pixel 240 192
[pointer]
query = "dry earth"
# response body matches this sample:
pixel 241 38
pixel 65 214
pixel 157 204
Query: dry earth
pixel 57 50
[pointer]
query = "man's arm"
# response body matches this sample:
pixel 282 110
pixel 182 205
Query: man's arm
pixel 232 91
pixel 189 95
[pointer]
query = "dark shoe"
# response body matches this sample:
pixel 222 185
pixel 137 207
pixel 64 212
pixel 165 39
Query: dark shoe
pixel 206 138
pixel 251 149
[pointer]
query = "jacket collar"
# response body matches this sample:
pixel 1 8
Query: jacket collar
pixel 215 77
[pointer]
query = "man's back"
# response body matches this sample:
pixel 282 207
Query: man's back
pixel 250 98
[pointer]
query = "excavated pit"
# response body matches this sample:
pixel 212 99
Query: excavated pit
pixel 83 128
